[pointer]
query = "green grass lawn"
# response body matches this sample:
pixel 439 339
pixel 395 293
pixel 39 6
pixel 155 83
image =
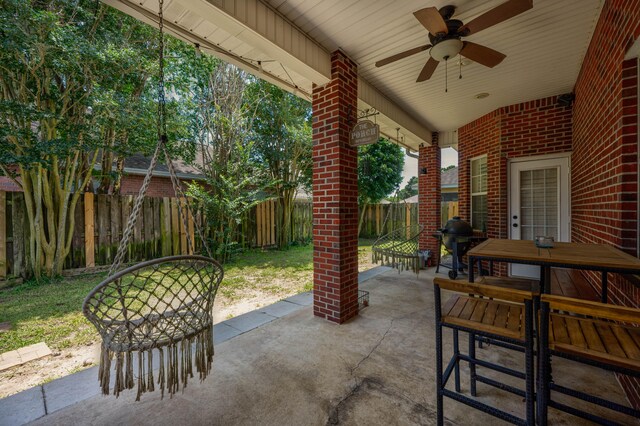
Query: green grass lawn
pixel 52 311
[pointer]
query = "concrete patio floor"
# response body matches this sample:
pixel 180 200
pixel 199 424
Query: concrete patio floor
pixel 299 370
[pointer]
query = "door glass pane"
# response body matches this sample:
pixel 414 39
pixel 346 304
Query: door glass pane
pixel 539 203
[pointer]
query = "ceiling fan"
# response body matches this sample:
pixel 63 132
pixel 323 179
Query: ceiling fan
pixel 445 35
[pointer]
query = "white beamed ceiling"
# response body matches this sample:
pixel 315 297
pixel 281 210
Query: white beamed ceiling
pixel 544 47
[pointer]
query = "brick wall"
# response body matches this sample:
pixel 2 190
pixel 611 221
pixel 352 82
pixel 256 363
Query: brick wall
pixel 429 198
pixel 158 187
pixel 335 194
pixel 528 129
pixel 605 148
pixel 8 185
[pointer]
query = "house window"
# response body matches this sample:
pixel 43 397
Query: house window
pixel 479 193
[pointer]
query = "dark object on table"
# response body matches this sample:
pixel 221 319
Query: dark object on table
pixel 544 242
pixel 456 236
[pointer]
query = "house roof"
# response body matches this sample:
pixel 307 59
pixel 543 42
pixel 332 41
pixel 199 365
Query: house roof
pixel 449 178
pixel 138 164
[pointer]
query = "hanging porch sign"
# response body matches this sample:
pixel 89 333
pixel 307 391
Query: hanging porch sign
pixel 364 133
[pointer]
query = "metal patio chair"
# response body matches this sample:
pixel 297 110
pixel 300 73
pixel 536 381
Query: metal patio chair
pixel 503 315
pixel 591 333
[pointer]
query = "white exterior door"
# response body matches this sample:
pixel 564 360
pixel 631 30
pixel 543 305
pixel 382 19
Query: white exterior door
pixel 539 202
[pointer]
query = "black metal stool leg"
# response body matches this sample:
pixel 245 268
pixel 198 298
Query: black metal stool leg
pixel 543 363
pixel 529 360
pixel 472 366
pixel 439 387
pixel 456 354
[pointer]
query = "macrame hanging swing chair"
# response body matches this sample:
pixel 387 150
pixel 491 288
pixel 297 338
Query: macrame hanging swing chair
pixel 158 311
pixel 399 248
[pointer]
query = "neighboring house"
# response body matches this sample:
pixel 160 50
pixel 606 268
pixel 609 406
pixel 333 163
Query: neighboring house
pixel 135 168
pixel 449 184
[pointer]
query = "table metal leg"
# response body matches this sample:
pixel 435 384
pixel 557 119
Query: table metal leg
pixel 605 278
pixel 471 277
pixel 545 279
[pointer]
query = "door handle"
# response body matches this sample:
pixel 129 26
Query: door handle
pixel 515 225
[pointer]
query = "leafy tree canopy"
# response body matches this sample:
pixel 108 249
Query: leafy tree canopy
pixel 379 171
pixel 410 189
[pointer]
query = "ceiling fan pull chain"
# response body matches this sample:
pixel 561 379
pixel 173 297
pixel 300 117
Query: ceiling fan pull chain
pixel 446 75
pixel 460 77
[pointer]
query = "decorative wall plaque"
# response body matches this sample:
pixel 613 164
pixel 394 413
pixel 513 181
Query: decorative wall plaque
pixel 364 133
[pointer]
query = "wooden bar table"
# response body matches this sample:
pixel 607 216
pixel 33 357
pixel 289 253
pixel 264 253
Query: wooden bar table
pixel 592 257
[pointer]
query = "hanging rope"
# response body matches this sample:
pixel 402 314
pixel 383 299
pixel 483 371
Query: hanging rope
pixel 163 304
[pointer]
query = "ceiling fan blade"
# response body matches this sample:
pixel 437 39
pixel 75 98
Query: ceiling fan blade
pixel 431 19
pixel 402 55
pixel 481 54
pixel 496 15
pixel 427 70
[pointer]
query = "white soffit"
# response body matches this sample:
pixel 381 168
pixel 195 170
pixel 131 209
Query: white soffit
pixel 250 34
pixel 545 47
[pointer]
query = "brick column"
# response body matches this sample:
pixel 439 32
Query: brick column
pixel 429 198
pixel 335 194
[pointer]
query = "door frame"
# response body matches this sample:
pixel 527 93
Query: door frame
pixel 561 155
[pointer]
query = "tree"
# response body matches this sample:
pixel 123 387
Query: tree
pixel 282 132
pixel 66 71
pixel 410 189
pixel 234 180
pixel 380 168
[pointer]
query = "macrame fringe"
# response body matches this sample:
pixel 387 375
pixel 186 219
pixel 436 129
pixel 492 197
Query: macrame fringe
pixel 172 375
pixel 401 263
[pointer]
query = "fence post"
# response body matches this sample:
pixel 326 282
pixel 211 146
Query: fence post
pixel 165 232
pixel 378 219
pixel 192 234
pixel 407 215
pixel 3 234
pixel 89 230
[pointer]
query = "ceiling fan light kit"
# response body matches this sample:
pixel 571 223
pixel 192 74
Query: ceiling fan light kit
pixel 446 49
pixel 445 35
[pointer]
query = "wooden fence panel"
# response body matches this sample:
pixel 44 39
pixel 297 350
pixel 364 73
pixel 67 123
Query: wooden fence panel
pixel 3 234
pixel 126 202
pixel 100 221
pixel 175 227
pixel 89 230
pixel 157 226
pixel 19 233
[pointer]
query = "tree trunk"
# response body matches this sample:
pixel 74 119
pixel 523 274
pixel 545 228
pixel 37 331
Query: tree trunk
pixel 361 221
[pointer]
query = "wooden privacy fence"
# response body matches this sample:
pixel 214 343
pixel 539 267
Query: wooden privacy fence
pixel 265 219
pixel 100 221
pixel 380 219
pixel 448 209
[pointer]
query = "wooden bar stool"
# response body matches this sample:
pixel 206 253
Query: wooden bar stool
pixel 585 331
pixel 500 314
